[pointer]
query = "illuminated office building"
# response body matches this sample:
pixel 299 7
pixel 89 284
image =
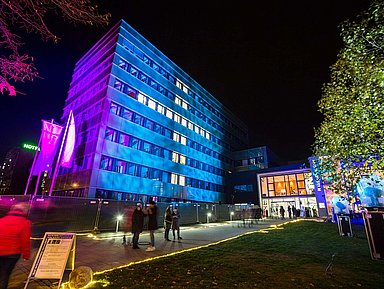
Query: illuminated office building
pixel 145 127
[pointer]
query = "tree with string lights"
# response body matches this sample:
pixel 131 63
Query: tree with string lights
pixel 30 15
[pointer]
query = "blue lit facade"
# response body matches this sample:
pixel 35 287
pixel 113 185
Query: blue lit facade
pixel 145 128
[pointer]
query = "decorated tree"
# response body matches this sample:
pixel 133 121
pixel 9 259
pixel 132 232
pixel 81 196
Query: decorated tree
pixel 30 15
pixel 349 143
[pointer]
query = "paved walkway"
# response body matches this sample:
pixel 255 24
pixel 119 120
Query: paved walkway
pixel 106 250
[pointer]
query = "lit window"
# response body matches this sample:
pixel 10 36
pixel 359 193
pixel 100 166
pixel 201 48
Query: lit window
pixel 151 104
pixel 169 114
pixel 176 118
pixel 190 125
pixel 182 180
pixel 207 135
pixel 175 157
pixel 183 140
pixel 176 137
pixel 184 105
pixel 118 85
pixel 173 179
pixel 179 84
pixel 185 89
pixel 178 100
pixel 202 132
pixel 160 108
pixel 182 160
pixel 142 98
pixel 184 122
pixel 197 129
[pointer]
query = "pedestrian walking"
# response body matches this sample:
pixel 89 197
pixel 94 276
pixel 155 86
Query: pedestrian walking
pixel 137 225
pixel 167 223
pixel 152 224
pixel 15 233
pixel 282 212
pixel 176 223
pixel 289 212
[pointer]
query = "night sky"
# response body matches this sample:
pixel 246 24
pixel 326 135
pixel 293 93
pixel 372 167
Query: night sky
pixel 265 60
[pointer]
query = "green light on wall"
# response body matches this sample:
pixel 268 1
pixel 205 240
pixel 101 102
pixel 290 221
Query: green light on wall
pixel 30 147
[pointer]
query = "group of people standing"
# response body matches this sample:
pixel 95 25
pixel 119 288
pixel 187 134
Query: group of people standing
pixel 171 221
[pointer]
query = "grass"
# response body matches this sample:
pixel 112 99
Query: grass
pixel 295 257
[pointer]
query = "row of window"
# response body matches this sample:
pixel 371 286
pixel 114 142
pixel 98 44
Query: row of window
pixel 160 108
pixel 128 168
pixel 139 144
pixel 143 57
pixel 155 127
pixel 155 85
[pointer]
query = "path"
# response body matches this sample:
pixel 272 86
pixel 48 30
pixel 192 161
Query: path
pixel 106 250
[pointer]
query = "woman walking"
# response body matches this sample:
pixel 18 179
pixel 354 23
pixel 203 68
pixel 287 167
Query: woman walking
pixel 137 225
pixel 167 222
pixel 175 223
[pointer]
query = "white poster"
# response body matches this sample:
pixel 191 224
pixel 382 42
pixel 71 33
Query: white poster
pixel 53 255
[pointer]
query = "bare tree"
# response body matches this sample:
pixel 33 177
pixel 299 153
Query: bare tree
pixel 30 16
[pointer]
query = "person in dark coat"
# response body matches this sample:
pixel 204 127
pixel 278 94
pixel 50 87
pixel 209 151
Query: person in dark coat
pixel 137 225
pixel 167 223
pixel 289 212
pixel 15 233
pixel 152 224
pixel 282 212
pixel 294 211
pixel 176 223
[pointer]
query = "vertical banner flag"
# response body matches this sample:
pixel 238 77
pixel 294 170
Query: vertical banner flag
pixel 66 161
pixel 50 136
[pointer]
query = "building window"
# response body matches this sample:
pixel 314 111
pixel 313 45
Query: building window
pixel 184 122
pixel 175 157
pixel 177 118
pixel 141 98
pixel 174 179
pixel 169 114
pixel 151 104
pixel 131 169
pixel 146 147
pixel 135 143
pixel 176 137
pixel 182 180
pixel 183 140
pixel 124 139
pixel 178 100
pixel 182 159
pixel 160 108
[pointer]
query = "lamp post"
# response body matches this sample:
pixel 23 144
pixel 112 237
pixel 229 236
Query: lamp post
pixel 118 219
pixel 209 215
pixel 231 216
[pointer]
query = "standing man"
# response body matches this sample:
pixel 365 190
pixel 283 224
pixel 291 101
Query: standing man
pixel 15 232
pixel 282 212
pixel 289 212
pixel 152 224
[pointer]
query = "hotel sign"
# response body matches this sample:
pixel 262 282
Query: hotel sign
pixel 31 147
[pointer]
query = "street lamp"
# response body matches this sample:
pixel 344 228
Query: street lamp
pixel 118 219
pixel 209 215
pixel 231 215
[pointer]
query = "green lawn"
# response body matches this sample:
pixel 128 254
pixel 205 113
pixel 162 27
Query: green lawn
pixel 295 257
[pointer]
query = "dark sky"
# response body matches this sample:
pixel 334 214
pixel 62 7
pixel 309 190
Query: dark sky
pixel 265 60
